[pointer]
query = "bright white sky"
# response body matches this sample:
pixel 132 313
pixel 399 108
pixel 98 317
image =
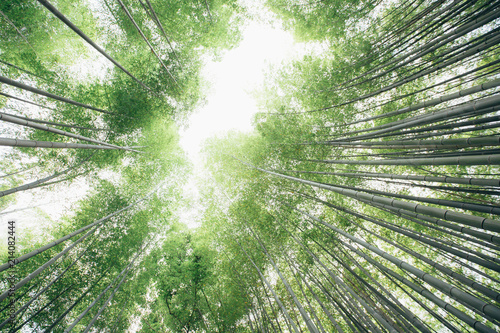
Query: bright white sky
pixel 229 103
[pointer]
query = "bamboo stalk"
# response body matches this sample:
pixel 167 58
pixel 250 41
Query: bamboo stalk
pixel 80 33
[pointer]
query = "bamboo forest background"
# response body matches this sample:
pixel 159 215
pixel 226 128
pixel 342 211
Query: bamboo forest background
pixel 365 200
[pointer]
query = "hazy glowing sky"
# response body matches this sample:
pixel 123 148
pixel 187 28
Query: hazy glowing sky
pixel 229 103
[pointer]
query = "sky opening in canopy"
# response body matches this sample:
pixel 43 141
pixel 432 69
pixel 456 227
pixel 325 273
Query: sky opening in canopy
pixel 229 105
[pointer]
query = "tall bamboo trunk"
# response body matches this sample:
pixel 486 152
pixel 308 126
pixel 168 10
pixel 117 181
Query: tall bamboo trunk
pixel 58 124
pixel 33 253
pixel 146 40
pixel 339 281
pixel 37 91
pixel 18 31
pixel 80 33
pixel 470 220
pixel 283 309
pixel 103 307
pixel 160 26
pixel 302 311
pixel 478 304
pixel 422 291
pixel 8 142
pixel 42 180
pixel 27 123
pixel 44 289
pixel 68 310
pixel 124 272
pixel 35 273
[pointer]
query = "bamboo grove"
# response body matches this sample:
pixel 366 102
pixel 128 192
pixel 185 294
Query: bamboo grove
pixel 112 127
pixel 365 200
pixel 374 206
